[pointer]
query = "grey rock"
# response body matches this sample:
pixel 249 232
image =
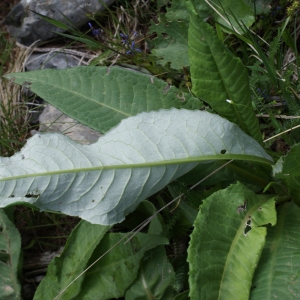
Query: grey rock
pixel 15 17
pixel 27 27
pixel 53 120
pixel 51 60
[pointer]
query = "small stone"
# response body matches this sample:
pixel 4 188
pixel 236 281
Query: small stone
pixel 27 27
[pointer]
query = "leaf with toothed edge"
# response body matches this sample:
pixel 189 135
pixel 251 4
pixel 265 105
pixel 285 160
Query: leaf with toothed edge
pixel 227 241
pixel 218 76
pixel 101 97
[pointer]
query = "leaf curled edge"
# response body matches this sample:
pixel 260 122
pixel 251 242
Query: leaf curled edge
pixel 105 181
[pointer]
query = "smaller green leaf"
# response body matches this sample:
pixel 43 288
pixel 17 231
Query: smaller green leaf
pixel 10 246
pixel 288 169
pixel 178 12
pixel 71 263
pixel 111 276
pixel 289 165
pixel 261 6
pixel 230 13
pixel 278 273
pixel 144 211
pixel 155 276
pixel 171 43
pixel 227 242
pixel 293 185
pixel 182 296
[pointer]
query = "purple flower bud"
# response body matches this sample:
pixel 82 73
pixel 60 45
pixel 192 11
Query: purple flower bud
pixel 124 38
pixel 96 32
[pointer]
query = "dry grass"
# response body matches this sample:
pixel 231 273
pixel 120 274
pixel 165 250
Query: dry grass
pixel 14 114
pixel 14 117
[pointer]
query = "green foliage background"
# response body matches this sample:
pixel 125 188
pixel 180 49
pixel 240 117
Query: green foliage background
pixel 239 234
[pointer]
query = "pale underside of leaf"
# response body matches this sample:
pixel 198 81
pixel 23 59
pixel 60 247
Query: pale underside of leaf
pixel 105 181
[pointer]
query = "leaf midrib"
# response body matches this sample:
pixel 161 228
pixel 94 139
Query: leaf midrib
pixel 161 163
pixel 235 242
pixel 55 87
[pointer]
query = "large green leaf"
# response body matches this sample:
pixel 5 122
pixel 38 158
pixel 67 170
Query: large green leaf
pixel 111 276
pixel 278 273
pixel 71 263
pixel 218 76
pixel 10 247
pixel 105 181
pixel 227 242
pixel 101 97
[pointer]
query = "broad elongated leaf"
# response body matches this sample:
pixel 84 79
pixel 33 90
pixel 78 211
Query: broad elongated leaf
pixel 218 76
pixel 10 246
pixel 105 181
pixel 277 274
pixel 227 242
pixel 111 276
pixel 100 97
pixel 71 263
